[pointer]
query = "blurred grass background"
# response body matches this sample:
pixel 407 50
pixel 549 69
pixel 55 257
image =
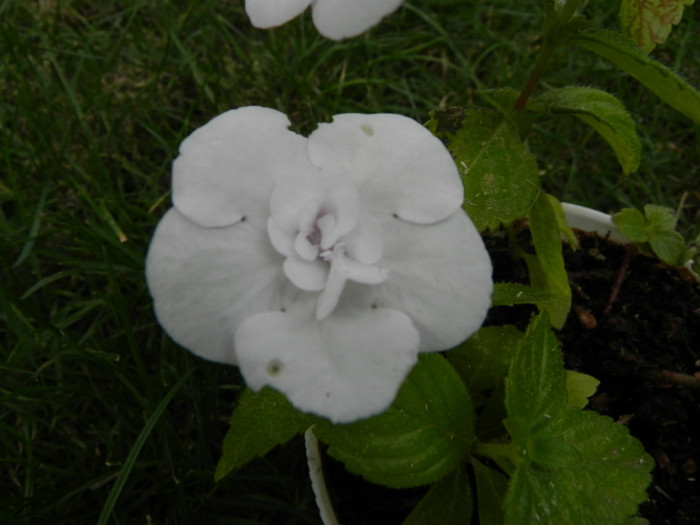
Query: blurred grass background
pixel 95 98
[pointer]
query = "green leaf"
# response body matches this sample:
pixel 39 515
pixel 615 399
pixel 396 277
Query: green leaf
pixel 421 437
pixel 659 79
pixel 602 482
pixel 492 414
pixel 261 421
pixel 660 218
pixel 508 294
pixel 576 466
pixel 536 383
pixel 552 451
pixel 547 269
pixel 448 502
pixel 500 175
pixel 482 360
pixel 604 113
pixel 648 22
pixel 491 488
pixel 503 99
pixel 657 227
pixel 632 224
pixel 669 246
pixel 580 387
pixel 562 222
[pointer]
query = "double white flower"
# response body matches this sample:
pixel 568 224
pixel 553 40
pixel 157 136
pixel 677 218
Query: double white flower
pixel 336 19
pixel 323 265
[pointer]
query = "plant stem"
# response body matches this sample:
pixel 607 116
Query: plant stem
pixel 550 44
pixel 540 67
pixel 497 451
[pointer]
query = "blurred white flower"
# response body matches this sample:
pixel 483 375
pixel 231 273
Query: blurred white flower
pixel 335 19
pixel 323 265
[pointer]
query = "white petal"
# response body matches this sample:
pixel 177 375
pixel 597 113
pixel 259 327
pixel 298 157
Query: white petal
pixel 206 281
pixel 327 228
pixel 439 275
pixel 294 193
pixel 361 273
pixel 348 366
pixel 343 203
pixel 399 167
pixel 226 168
pixel 282 239
pixel 329 297
pixel 307 275
pixel 365 244
pixel 338 19
pixel 270 13
pixel 304 249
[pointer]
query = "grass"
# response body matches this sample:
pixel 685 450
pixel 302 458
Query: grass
pixel 102 418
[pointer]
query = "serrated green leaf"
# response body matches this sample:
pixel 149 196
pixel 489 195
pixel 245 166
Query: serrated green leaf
pixel 547 270
pixel 648 22
pixel 576 466
pixel 636 521
pixel 503 99
pixel 500 175
pixel 492 414
pixel 551 451
pixel 604 484
pixel 659 79
pixel 508 294
pixel 659 218
pixel 580 387
pixel 632 224
pixel 482 360
pixel 448 502
pixel 655 226
pixel 536 382
pixel 421 437
pixel 669 246
pixel 261 421
pixel 491 488
pixel 604 113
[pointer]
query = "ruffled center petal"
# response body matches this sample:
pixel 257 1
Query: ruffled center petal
pixel 319 224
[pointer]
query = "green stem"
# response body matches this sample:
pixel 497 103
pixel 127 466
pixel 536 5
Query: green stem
pixel 550 44
pixel 540 67
pixel 496 451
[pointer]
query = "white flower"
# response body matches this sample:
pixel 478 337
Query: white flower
pixel 323 265
pixel 335 19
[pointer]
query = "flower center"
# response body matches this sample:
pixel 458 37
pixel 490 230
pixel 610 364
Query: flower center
pixel 314 236
pixel 327 236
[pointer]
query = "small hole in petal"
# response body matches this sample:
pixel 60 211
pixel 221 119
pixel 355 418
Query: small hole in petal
pixel 283 309
pixel 243 219
pixel 275 367
pixel 395 215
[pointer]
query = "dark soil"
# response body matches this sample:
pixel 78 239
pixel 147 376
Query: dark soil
pixel 644 347
pixel 634 325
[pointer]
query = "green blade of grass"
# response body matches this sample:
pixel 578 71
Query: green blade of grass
pixel 130 460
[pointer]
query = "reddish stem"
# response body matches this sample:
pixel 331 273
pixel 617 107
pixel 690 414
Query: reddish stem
pixel 618 282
